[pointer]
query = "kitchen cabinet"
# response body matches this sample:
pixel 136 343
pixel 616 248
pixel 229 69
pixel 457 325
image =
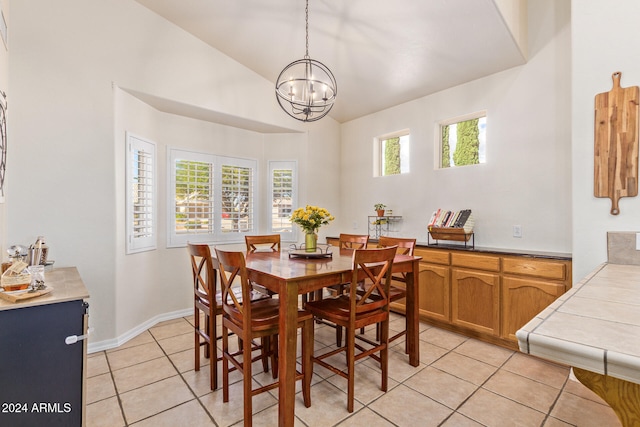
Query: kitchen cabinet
pixel 42 369
pixel 528 287
pixel 487 293
pixel 435 282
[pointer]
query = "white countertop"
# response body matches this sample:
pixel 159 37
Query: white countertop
pixel 67 286
pixel 595 326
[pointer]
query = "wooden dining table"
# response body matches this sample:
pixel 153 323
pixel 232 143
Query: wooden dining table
pixel 291 276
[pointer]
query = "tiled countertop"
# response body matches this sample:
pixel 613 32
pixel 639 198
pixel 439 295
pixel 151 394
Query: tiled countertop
pixel 67 286
pixel 595 326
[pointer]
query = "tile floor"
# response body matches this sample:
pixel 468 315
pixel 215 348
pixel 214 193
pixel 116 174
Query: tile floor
pixel 150 381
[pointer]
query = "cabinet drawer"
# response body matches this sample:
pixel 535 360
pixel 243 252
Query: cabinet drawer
pixel 547 269
pixel 433 256
pixel 480 262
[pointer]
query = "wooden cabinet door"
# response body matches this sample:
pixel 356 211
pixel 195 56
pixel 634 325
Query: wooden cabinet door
pixel 435 292
pixel 475 302
pixel 523 299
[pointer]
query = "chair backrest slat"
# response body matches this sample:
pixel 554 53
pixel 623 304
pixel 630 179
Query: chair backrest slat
pixel 232 266
pixel 204 272
pixel 353 241
pixel 376 265
pixel 269 242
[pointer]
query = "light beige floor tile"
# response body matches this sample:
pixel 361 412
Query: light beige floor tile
pixel 190 414
pixel 442 338
pixel 100 387
pixel 441 387
pixel 171 329
pixel 404 407
pixel 465 368
pixel 134 355
pixel 429 353
pixel 229 413
pixel 365 417
pixel 490 409
pixel 149 400
pixel 328 406
pixel 184 360
pixel 484 352
pixel 177 343
pixel 399 367
pixel 367 384
pixel 459 420
pixel 583 412
pixel 268 418
pixel 142 338
pixel 143 374
pixel 523 390
pixel 537 369
pixel 97 364
pixel 576 387
pixel 105 413
pixel 554 422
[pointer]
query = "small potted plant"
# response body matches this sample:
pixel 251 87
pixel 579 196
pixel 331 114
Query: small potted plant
pixel 379 207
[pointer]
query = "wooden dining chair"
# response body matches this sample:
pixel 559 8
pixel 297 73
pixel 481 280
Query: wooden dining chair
pixel 208 300
pixel 258 319
pixel 269 243
pixel 352 311
pixel 397 288
pixel 262 243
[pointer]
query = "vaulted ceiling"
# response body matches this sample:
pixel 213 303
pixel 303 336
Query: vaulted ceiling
pixel 382 53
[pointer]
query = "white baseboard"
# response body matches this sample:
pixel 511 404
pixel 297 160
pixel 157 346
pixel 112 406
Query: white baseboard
pixel 93 347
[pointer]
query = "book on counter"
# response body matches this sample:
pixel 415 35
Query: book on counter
pixel 452 219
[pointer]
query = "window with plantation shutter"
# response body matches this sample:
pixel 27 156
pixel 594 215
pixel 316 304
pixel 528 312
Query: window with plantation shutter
pixel 237 196
pixel 212 198
pixel 141 195
pixel 283 186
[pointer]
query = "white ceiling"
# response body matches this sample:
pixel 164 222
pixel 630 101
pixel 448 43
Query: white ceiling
pixel 382 53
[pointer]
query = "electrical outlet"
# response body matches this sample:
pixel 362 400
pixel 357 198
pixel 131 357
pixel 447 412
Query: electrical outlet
pixel 517 231
pixel 355 225
pixel 637 241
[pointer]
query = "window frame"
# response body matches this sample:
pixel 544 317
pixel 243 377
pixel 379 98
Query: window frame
pixel 378 154
pixel 216 235
pixel 277 165
pixel 135 244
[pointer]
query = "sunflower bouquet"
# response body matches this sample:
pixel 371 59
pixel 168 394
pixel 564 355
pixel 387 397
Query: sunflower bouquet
pixel 311 218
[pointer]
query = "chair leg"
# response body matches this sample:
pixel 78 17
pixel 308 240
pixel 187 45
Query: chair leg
pixel 265 344
pixel 207 331
pixel 384 354
pixel 307 364
pixel 351 338
pixel 212 350
pixel 273 351
pixel 338 335
pixel 246 383
pixel 225 364
pixel 196 328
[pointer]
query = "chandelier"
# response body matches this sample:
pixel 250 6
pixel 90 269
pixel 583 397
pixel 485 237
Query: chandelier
pixel 306 88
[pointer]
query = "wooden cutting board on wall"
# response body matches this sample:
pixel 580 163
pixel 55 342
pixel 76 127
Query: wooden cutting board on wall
pixel 616 143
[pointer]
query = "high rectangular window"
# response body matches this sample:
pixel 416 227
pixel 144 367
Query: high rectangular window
pixel 391 156
pixel 462 141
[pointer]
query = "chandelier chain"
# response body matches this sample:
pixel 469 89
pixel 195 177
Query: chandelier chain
pixel 306 28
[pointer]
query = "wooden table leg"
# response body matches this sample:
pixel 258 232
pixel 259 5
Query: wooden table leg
pixel 623 396
pixel 287 352
pixel 412 313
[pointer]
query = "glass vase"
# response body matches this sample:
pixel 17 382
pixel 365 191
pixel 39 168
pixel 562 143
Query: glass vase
pixel 310 241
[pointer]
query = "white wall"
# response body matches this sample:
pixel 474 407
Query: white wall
pixel 605 40
pixel 4 87
pixel 68 59
pixel 527 177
